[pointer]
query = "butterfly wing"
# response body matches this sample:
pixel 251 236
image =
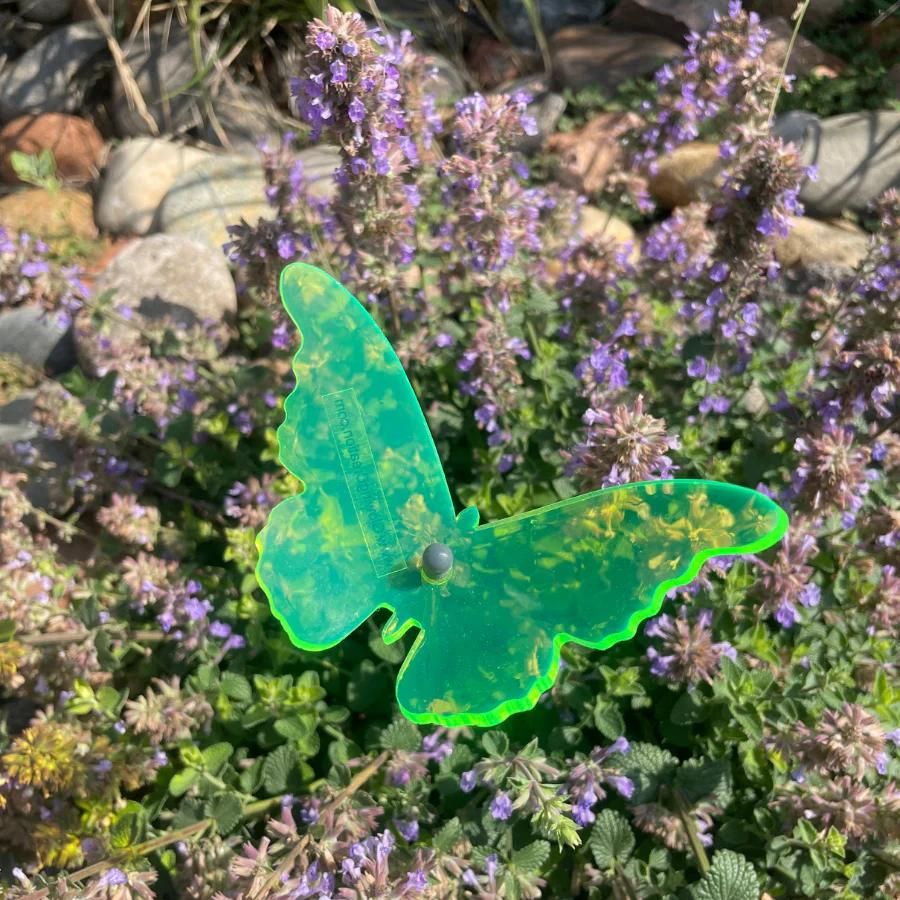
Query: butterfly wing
pixel 589 570
pixel 374 490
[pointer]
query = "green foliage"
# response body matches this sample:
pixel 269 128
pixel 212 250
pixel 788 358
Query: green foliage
pixel 730 878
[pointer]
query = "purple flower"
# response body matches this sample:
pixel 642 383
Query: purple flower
pixel 467 781
pixel 501 806
pixel 338 72
pixel 408 828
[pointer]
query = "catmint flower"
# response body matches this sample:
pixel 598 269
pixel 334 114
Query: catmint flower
pixel 622 446
pixel 501 806
pixel 467 781
pixel 688 653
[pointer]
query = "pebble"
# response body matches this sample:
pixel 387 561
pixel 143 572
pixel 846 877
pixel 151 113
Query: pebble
pixel 169 278
pixel 37 338
pixel 686 174
pixel 138 174
pixel 811 242
pixel 76 145
pixel 58 217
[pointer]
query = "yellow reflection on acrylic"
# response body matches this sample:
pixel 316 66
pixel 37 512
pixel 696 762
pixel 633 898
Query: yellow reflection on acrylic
pixel 589 569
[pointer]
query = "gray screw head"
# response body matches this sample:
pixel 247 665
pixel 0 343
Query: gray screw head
pixel 437 561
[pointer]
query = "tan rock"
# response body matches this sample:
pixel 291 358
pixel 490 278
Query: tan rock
pixel 686 174
pixel 75 143
pixel 594 55
pixel 587 155
pixel 811 242
pixel 596 222
pixel 805 57
pixel 58 217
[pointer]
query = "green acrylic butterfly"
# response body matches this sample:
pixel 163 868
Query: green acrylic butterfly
pixel 589 569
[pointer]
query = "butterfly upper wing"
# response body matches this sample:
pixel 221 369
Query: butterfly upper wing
pixel 374 490
pixel 589 569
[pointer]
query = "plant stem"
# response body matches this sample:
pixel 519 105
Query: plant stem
pixel 801 12
pixel 164 840
pixel 34 639
pixel 690 827
pixel 362 776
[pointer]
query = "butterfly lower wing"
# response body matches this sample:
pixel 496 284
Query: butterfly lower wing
pixel 589 570
pixel 374 490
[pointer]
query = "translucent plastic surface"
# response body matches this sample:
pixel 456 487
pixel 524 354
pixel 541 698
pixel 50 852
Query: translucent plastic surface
pixel 589 569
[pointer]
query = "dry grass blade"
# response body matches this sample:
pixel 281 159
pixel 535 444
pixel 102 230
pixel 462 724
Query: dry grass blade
pixel 129 85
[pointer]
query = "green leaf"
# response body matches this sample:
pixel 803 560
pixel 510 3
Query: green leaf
pixel 401 735
pixel 251 777
pixel 277 769
pixel 182 781
pixel 129 827
pixel 612 840
pixel 730 878
pixel 450 835
pixel 227 810
pixel 648 766
pixel 690 708
pixel 531 857
pixel 7 629
pixel 392 653
pixel 296 727
pixel 495 743
pixel 216 755
pixel 700 778
pixel 236 687
pixel 608 719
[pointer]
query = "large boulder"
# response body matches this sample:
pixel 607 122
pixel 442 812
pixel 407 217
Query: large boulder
pixel 857 156
pixel 686 174
pixel 597 56
pixel 672 19
pixel 46 77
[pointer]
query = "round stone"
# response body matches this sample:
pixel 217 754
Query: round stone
pixel 437 561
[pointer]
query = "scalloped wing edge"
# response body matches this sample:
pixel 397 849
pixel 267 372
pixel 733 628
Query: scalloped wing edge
pixel 522 704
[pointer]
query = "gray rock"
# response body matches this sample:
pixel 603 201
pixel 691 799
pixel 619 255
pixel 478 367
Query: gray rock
pixel 45 78
pixel 37 338
pixel 163 68
pixel 245 116
pixel 594 55
pixel 857 156
pixel 44 11
pixel 220 191
pixel 177 279
pixel 555 14
pixel 47 461
pixel 444 81
pixel 672 19
pixel 137 176
pixel 164 279
pixel 212 195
